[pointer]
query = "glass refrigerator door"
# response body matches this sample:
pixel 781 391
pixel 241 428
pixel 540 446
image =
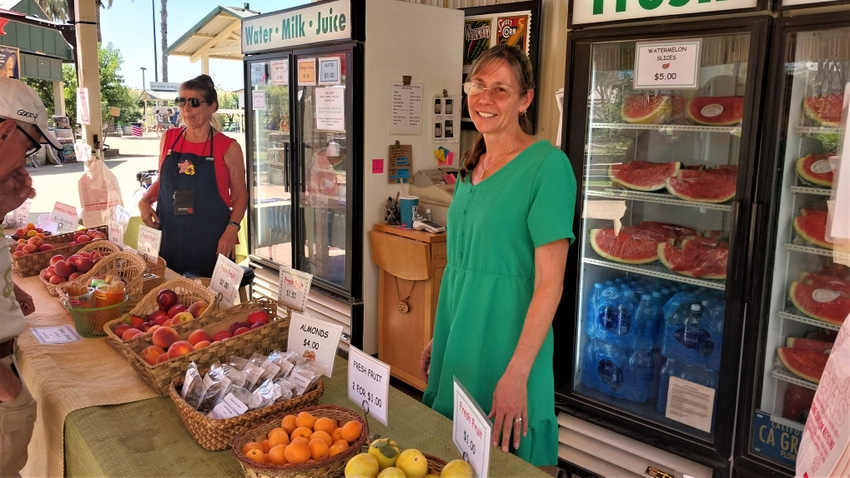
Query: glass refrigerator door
pixel 324 122
pixel 664 161
pixel 809 292
pixel 270 150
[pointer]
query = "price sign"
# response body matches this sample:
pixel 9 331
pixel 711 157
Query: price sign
pixel 22 214
pixel 293 288
pixel 369 383
pixel 148 241
pixel 314 339
pixel 471 431
pixel 280 72
pixel 225 279
pixel 329 71
pixel 65 216
pixel 667 65
pixel 118 224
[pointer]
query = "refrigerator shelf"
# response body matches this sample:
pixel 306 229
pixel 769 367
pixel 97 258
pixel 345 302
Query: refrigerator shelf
pixel 818 130
pixel 811 190
pixel 658 198
pixel 657 271
pixel 670 128
pixel 787 376
pixel 791 315
pixel 809 250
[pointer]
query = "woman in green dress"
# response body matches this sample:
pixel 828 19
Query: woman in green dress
pixel 509 228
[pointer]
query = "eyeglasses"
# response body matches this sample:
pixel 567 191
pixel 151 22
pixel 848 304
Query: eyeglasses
pixel 193 102
pixel 498 93
pixel 35 144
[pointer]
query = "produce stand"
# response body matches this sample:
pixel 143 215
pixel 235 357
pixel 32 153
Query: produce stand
pixel 96 417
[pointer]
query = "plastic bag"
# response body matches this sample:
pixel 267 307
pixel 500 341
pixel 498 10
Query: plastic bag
pixel 99 190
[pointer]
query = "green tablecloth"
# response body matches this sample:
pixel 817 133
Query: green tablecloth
pixel 147 438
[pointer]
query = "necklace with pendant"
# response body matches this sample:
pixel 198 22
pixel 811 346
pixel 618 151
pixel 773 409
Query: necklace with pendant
pixel 403 304
pixel 503 156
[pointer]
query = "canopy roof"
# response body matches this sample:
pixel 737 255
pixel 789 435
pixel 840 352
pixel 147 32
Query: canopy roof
pixel 217 35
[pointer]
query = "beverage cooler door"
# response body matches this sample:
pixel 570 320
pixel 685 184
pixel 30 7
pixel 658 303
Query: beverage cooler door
pixel 270 155
pixel 806 294
pixel 666 152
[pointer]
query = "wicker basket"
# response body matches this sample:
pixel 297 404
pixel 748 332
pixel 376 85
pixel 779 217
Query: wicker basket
pixel 263 339
pixel 90 322
pixel 127 266
pixel 106 248
pixel 328 467
pixel 214 435
pixel 154 275
pixel 32 264
pixel 188 291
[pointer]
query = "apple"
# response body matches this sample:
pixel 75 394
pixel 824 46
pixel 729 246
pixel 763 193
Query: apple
pixel 224 334
pixel 258 316
pixel 256 325
pixel 176 309
pixel 158 316
pixel 181 318
pixel 241 330
pixel 166 298
pixel 237 325
pixel 130 333
pixel 199 335
pixel 197 308
pixel 63 268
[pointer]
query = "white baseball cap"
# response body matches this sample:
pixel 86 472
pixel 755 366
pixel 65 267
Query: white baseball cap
pixel 21 103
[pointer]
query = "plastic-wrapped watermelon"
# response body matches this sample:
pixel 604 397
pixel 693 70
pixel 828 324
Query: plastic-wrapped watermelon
pixel 716 110
pixel 652 109
pixel 825 109
pixel 643 175
pixel 712 185
pixel 815 169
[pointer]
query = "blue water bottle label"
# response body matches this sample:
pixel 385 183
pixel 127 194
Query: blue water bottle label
pixel 695 338
pixel 610 373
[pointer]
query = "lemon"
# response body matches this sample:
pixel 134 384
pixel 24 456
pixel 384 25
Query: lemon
pixel 457 469
pixel 413 463
pixel 362 464
pixel 391 472
pixel 385 451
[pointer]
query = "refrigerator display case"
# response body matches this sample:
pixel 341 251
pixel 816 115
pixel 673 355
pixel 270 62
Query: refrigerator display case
pixel 801 295
pixel 319 106
pixel 661 127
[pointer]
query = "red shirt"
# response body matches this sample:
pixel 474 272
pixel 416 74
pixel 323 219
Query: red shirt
pixel 221 143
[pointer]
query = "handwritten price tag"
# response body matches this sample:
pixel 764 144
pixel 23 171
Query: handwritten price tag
pixel 147 243
pixel 314 339
pixel 22 214
pixel 369 383
pixel 329 71
pixel 294 287
pixel 672 64
pixel 471 431
pixel 118 224
pixel 65 216
pixel 225 279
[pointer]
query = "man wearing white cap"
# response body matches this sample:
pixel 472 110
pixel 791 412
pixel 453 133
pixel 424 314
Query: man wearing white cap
pixel 23 129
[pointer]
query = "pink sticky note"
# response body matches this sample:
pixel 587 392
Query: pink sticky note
pixel 377 166
pixel 450 158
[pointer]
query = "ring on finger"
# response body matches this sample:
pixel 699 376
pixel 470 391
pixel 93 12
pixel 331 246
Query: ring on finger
pixel 518 419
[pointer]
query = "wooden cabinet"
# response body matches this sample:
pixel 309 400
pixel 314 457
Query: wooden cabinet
pixel 411 267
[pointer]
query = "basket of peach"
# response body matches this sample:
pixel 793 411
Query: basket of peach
pixel 30 255
pixel 65 268
pixel 241 393
pixel 314 442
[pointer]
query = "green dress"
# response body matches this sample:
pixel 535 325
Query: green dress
pixel 493 228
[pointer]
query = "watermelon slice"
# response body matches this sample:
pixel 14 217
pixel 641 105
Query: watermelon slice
pixel 806 364
pixel 815 169
pixel 652 109
pixel 812 228
pixel 825 281
pixel 643 175
pixel 697 259
pixel 809 344
pixel 820 303
pixel 716 110
pixel 631 246
pixel 798 401
pixel 704 185
pixel 826 109
pixel 672 231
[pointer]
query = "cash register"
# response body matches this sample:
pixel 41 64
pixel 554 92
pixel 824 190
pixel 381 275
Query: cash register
pixel 435 186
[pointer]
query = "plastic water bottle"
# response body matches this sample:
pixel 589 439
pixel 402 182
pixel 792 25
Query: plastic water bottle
pixel 691 373
pixel 607 312
pixel 643 377
pixel 592 306
pixel 606 368
pixel 646 324
pixel 693 334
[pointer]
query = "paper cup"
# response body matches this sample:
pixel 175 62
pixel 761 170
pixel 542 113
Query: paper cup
pixel 409 206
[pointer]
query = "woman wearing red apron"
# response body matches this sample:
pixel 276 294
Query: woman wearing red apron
pixel 200 193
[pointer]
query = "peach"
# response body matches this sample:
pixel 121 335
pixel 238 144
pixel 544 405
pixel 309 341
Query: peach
pixel 151 353
pixel 158 316
pixel 181 318
pixel 224 334
pixel 46 247
pixel 201 344
pixel 29 248
pixel 120 329
pixel 130 333
pixel 56 279
pixel 162 358
pixel 197 308
pixel 199 335
pixel 241 330
pixel 164 337
pixel 176 309
pixel 179 348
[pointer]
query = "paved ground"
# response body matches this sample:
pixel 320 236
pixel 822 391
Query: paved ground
pixel 59 183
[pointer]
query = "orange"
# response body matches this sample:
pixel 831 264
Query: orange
pixel 338 447
pixel 324 424
pixel 301 432
pixel 277 455
pixel 300 440
pixel 305 419
pixel 336 435
pixel 266 445
pixel 288 423
pixel 251 445
pixel 256 455
pixel 279 438
pixel 351 431
pixel 323 436
pixel 319 450
pixel 297 453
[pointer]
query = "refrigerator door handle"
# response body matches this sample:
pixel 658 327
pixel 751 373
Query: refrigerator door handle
pixel 755 218
pixel 735 276
pixel 287 157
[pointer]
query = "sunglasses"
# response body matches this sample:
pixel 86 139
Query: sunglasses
pixel 193 102
pixel 35 144
pixel 498 93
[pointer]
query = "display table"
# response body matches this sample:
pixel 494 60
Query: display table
pixel 97 417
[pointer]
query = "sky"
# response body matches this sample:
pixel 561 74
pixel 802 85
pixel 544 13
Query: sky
pixel 129 26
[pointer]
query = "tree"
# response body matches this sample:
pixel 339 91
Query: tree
pixel 164 28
